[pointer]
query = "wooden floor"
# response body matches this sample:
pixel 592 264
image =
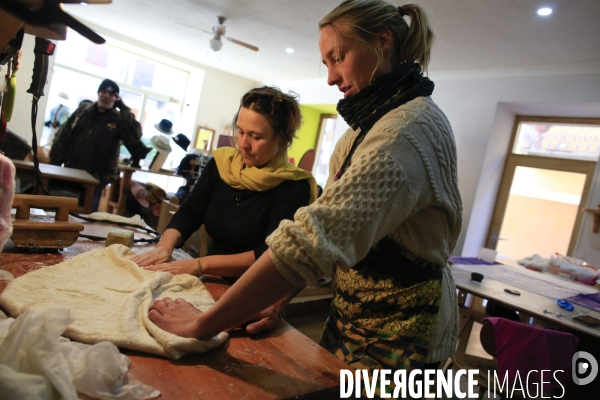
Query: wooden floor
pixel 309 318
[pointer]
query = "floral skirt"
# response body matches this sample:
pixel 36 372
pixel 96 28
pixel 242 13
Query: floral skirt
pixel 383 315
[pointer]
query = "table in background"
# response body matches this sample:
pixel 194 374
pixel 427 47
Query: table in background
pixel 282 363
pixel 48 171
pixel 529 303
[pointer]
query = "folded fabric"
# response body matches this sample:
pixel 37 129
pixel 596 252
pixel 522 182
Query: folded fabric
pixel 109 297
pixel 521 348
pixel 135 220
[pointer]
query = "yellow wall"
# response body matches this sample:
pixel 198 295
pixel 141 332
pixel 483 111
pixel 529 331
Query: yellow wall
pixel 307 134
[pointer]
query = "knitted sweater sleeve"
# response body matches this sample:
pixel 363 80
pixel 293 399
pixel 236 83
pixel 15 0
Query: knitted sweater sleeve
pixel 373 197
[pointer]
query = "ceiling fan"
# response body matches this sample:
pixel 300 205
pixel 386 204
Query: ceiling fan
pixel 218 32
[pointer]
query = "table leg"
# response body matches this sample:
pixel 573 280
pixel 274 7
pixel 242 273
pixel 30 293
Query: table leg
pixel 89 198
pixel 123 191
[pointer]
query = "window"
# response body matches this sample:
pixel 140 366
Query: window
pixel 155 87
pixel 546 182
pixel 558 140
pixel 325 145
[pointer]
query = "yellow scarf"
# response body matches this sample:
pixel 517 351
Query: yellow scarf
pixel 239 176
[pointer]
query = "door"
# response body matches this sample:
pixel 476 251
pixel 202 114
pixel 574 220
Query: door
pixel 546 182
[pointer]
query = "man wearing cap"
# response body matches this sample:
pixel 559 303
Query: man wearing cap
pixel 90 140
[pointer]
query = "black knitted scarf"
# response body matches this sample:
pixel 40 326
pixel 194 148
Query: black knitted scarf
pixel 382 95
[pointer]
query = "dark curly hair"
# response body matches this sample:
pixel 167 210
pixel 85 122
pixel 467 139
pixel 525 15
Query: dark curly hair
pixel 281 110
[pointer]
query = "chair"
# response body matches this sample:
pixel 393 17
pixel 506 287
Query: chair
pixel 197 244
pixel 307 160
pixel 520 348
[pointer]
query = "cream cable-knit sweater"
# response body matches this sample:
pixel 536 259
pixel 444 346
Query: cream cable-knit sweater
pixel 403 183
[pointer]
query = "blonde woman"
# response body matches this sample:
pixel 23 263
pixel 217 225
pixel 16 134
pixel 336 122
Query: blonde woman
pixel 388 219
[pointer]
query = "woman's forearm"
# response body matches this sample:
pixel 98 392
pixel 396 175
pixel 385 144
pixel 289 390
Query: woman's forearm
pixel 170 239
pixel 229 266
pixel 260 287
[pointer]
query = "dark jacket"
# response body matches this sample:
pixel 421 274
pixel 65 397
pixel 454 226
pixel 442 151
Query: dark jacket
pixel 90 140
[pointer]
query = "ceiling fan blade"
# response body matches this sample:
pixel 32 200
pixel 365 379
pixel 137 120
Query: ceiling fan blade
pixel 194 27
pixel 246 45
pixel 86 1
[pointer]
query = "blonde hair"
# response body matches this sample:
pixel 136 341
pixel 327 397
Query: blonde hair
pixel 363 19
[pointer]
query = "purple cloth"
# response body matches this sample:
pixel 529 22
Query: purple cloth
pixel 587 300
pixel 471 261
pixel 524 348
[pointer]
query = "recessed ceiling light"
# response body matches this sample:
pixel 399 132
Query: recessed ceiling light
pixel 289 50
pixel 544 11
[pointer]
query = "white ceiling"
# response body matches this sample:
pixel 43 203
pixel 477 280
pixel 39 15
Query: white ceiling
pixel 470 34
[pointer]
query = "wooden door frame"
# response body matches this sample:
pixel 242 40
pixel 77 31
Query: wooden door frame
pixel 550 163
pixel 322 118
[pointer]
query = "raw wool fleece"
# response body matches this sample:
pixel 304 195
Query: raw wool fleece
pixel 109 297
pixel 402 183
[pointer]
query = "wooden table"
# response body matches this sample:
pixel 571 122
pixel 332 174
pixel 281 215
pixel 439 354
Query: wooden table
pixel 118 205
pixel 283 363
pixel 57 173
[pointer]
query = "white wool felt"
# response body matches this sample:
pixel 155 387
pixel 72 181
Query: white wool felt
pixel 109 297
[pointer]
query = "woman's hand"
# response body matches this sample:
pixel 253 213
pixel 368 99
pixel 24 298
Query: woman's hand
pixel 158 255
pixel 188 266
pixel 174 316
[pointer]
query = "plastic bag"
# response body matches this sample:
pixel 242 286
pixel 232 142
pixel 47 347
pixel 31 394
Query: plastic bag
pixel 32 348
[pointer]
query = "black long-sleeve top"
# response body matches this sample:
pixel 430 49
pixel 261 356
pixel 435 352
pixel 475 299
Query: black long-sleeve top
pixel 237 220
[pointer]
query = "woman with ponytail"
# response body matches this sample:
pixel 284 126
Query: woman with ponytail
pixel 388 219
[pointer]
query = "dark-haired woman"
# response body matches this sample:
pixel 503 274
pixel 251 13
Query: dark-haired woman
pixel 243 193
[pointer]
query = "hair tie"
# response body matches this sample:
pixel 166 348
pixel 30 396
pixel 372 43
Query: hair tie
pixel 401 11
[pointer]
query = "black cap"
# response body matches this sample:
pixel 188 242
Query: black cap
pixel 182 141
pixel 109 86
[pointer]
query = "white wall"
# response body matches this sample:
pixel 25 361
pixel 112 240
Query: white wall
pixel 482 128
pixel 491 174
pixel 479 107
pixel 220 99
pixel 588 244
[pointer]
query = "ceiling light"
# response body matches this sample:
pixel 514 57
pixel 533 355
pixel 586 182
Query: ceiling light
pixel 216 44
pixel 544 11
pixel 289 50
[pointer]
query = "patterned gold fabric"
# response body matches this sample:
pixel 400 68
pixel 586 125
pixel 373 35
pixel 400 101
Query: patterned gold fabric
pixel 379 322
pixel 399 317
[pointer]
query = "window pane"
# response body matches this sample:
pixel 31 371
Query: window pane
pixel 325 149
pixel 536 194
pixel 102 60
pixel 155 111
pixel 158 77
pixel 580 142
pixel 69 89
pixel 132 100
